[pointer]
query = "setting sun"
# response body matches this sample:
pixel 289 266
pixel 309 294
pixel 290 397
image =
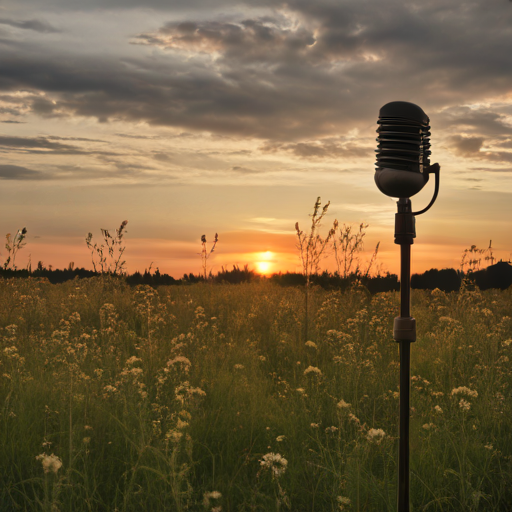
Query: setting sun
pixel 263 267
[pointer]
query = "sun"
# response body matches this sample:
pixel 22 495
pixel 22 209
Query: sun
pixel 265 262
pixel 263 267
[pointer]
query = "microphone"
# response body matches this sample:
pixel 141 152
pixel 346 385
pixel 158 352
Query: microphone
pixel 403 149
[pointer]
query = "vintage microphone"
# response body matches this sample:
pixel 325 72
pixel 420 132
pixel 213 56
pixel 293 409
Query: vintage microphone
pixel 403 169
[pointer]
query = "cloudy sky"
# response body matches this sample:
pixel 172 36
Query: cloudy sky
pixel 202 116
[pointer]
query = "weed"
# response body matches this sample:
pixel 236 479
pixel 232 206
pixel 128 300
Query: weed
pixel 106 258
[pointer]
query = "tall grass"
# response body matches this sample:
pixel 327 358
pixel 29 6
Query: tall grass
pixel 170 399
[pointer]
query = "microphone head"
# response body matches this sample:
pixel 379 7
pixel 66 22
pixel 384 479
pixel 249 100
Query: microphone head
pixel 403 149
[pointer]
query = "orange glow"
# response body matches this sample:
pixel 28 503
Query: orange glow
pixel 263 267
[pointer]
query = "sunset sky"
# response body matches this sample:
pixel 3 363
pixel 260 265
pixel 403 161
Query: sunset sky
pixel 202 116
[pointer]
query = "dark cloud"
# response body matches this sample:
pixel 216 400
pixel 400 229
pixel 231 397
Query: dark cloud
pixel 319 149
pixel 483 120
pixel 264 39
pixel 466 146
pixel 160 5
pixel 311 71
pixel 43 145
pixel 16 172
pixel 37 25
pixel 243 170
pixel 471 147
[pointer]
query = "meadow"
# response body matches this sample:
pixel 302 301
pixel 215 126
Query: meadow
pixel 210 398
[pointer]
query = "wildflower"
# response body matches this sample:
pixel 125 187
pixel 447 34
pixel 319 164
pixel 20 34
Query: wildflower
pixel 239 367
pixel 354 418
pixel 275 462
pixel 213 495
pixel 181 424
pixel 312 369
pixel 489 446
pixel 331 430
pixel 375 435
pixel 465 406
pixel 86 440
pixel 262 358
pixel 50 462
pixel 463 390
pixel 174 436
pixel 180 359
pixel 300 390
pixel 342 404
pixel 438 409
pixel 279 439
pixel 311 344
pixel 315 425
pixel 133 360
pixel 428 426
pixel 343 501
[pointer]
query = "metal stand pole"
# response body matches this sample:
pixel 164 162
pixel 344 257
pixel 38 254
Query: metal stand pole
pixel 404 332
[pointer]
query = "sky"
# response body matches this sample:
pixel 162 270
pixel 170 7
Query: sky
pixel 211 116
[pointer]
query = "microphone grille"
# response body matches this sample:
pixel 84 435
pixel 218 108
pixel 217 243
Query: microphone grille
pixel 403 137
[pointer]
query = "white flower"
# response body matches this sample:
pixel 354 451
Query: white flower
pixel 312 369
pixel 50 462
pixel 174 436
pixel 300 390
pixel 133 360
pixel 213 495
pixel 280 438
pixel 463 390
pixel 181 424
pixel 375 435
pixel 331 430
pixel 239 367
pixel 180 359
pixel 342 404
pixel 489 446
pixel 428 426
pixel 311 344
pixel 315 425
pixel 438 409
pixel 275 462
pixel 465 406
pixel 354 418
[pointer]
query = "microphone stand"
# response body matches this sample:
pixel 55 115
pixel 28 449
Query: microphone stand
pixel 404 331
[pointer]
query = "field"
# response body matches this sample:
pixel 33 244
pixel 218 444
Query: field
pixel 209 397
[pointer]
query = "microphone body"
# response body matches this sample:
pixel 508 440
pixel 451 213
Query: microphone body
pixel 403 149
